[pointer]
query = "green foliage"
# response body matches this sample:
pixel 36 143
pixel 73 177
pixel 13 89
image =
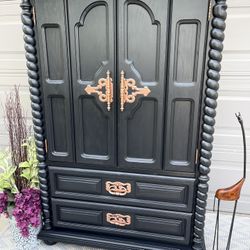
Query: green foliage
pixel 7 181
pixel 29 167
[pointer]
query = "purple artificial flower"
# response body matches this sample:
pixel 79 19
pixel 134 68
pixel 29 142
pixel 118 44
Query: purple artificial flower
pixel 3 202
pixel 27 210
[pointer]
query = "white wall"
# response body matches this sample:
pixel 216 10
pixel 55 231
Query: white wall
pixel 234 90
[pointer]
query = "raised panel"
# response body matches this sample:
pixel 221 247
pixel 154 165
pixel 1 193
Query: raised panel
pixel 78 184
pixel 181 131
pixel 158 225
pixel 91 28
pixel 72 215
pixel 93 19
pixel 144 61
pixel 187 51
pixel 162 192
pixel 94 133
pixel 58 126
pixel 53 53
pixel 141 142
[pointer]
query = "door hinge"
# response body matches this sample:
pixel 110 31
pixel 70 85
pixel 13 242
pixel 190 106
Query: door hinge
pixel 33 15
pixel 210 10
pixel 196 156
pixel 46 146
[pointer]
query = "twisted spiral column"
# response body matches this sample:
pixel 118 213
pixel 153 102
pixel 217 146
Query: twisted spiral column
pixel 33 79
pixel 212 85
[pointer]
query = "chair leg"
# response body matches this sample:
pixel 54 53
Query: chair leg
pixel 231 227
pixel 216 229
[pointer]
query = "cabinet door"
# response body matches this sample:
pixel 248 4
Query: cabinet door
pixel 91 28
pixel 185 81
pixel 142 40
pixel 54 77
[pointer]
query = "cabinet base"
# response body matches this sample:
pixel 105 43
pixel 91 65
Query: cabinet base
pixel 49 243
pixel 104 241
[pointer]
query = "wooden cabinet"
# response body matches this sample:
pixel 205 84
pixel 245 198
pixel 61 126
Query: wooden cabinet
pixel 123 96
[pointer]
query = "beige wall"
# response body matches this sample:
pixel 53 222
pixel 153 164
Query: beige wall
pixel 12 60
pixel 234 96
pixel 234 89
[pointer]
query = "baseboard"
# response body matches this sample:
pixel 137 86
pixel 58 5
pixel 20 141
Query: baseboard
pixel 105 242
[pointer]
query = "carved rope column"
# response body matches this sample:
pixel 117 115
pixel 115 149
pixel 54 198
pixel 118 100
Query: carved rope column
pixel 33 79
pixel 212 85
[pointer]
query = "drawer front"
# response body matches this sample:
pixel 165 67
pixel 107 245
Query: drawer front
pixel 160 192
pixel 159 225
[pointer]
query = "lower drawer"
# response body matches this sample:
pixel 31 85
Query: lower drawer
pixel 143 223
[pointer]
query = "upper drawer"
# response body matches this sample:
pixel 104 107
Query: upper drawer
pixel 161 192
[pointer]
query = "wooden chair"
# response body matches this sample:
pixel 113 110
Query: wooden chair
pixel 230 194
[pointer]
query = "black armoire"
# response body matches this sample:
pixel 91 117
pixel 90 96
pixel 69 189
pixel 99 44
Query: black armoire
pixel 123 97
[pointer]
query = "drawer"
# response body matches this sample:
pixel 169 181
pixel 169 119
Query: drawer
pixel 140 190
pixel 127 221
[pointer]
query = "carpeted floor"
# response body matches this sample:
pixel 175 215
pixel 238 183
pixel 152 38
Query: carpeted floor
pixel 240 239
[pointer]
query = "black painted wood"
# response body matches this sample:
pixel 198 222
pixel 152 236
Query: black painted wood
pixel 106 241
pixel 142 40
pixel 159 192
pixel 92 42
pixel 163 226
pixel 55 79
pixel 36 107
pixel 217 36
pixel 185 81
pixel 152 145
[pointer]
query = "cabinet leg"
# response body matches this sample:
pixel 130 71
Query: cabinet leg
pixel 49 242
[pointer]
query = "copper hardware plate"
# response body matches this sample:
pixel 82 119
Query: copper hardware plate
pixel 104 96
pixel 125 85
pixel 118 219
pixel 118 188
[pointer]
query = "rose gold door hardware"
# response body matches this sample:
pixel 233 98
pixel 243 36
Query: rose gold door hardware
pixel 127 85
pixel 118 188
pixel 118 219
pixel 107 95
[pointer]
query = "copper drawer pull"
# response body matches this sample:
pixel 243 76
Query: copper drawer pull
pixel 118 188
pixel 118 219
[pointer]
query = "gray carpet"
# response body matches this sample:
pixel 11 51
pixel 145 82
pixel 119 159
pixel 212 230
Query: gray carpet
pixel 240 239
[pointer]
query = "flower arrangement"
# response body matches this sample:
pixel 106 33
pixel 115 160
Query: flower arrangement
pixel 27 210
pixel 19 186
pixel 23 205
pixel 3 202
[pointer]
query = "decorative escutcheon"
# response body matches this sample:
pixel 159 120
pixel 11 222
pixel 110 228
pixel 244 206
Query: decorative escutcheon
pixel 127 95
pixel 118 219
pixel 118 188
pixel 107 95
